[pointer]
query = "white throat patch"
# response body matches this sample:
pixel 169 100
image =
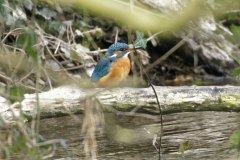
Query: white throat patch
pixel 126 55
pixel 114 55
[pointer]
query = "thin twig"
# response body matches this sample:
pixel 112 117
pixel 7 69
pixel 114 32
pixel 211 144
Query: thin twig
pixel 153 41
pixel 59 64
pixel 20 124
pixel 25 76
pixel 179 44
pixel 51 154
pixel 29 87
pixel 92 31
pixel 48 142
pixel 133 67
pixel 6 149
pixel 37 121
pixel 73 36
pixel 48 79
pixel 8 96
pixel 159 107
pixel 55 52
pixel 12 31
pixel 116 37
pixel 6 78
pixel 67 69
pixel 154 35
pixel 97 51
pixel 16 68
pixel 224 29
pixel 133 114
pixel 14 48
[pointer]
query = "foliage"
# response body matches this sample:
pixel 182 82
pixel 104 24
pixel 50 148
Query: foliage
pixel 183 146
pixel 236 33
pixel 235 140
pixel 17 93
pixel 47 34
pixel 236 39
pixel 22 139
pixel 140 40
pixel 236 72
pixel 2 9
pixel 27 41
pixel 55 25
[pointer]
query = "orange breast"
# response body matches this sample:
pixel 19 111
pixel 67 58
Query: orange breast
pixel 118 72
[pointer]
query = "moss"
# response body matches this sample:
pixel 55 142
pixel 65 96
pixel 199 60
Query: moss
pixel 75 109
pixel 223 102
pixel 228 102
pixel 123 107
pixel 231 99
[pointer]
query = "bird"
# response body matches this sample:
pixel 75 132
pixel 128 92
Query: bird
pixel 113 68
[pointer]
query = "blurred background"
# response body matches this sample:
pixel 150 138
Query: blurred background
pixel 47 44
pixel 186 43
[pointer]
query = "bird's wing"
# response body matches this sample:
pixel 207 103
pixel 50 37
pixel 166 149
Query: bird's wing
pixel 102 68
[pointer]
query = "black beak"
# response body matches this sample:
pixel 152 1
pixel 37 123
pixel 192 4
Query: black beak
pixel 132 47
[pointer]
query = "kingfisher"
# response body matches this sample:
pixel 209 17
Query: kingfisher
pixel 113 68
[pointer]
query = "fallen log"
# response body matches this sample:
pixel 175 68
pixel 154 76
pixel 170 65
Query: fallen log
pixel 66 100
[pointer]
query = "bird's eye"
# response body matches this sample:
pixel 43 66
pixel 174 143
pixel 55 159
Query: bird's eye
pixel 122 49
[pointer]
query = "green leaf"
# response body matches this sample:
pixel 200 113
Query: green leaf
pixel 46 13
pixel 139 34
pixel 235 137
pixel 202 82
pixel 24 117
pixel 28 4
pixel 16 94
pixel 19 143
pixel 140 40
pixel 235 29
pixel 75 56
pixel 2 122
pixel 55 25
pixel 236 32
pixel 236 72
pixel 3 10
pixel 27 40
pixel 232 16
pixel 183 146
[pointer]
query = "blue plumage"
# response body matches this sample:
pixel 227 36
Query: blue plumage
pixel 115 47
pixel 103 66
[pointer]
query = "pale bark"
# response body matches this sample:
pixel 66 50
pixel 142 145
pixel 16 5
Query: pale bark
pixel 71 99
